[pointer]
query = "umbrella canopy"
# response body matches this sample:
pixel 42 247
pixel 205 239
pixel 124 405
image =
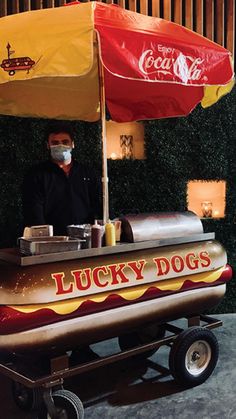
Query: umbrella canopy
pixel 152 68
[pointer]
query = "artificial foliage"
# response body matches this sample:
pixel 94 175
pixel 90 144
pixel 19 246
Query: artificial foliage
pixel 201 146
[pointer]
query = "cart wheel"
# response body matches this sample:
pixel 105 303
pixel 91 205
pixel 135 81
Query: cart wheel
pixel 68 406
pixel 193 356
pixel 26 398
pixel 145 335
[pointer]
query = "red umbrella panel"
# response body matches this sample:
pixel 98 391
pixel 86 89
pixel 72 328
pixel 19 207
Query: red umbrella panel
pixel 154 68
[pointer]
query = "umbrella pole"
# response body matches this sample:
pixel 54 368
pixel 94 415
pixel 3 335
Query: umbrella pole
pixel 105 195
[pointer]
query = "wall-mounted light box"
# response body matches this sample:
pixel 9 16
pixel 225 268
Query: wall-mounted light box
pixel 207 198
pixel 125 140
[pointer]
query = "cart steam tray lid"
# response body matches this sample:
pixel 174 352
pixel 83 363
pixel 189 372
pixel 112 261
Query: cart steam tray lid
pixel 160 225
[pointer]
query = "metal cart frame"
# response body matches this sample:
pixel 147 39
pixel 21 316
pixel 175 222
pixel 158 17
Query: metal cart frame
pixel 59 367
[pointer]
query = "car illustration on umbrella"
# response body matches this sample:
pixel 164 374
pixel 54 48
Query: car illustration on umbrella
pixel 11 65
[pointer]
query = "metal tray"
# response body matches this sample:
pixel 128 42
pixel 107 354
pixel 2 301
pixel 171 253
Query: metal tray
pixel 45 245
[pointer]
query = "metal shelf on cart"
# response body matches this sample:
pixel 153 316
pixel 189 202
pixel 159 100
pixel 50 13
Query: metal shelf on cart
pixel 13 255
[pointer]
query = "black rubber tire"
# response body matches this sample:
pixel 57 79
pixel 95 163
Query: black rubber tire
pixel 68 402
pixel 26 398
pixel 137 338
pixel 193 356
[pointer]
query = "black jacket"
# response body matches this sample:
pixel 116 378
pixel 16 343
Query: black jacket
pixel 51 197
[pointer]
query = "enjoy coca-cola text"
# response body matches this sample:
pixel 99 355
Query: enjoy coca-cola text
pixel 184 67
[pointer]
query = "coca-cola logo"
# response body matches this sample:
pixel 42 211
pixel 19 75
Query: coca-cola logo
pixel 167 62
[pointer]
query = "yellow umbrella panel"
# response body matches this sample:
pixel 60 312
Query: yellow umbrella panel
pixel 57 57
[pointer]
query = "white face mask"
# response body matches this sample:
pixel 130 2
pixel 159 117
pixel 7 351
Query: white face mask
pixel 61 153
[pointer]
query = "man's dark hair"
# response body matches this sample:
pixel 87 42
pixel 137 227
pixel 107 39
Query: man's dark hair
pixel 57 127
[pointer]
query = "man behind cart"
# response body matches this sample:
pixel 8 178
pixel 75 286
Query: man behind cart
pixel 60 191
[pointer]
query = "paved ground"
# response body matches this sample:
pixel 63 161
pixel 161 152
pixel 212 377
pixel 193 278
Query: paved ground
pixel 145 390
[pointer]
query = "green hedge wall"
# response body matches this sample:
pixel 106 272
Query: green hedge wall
pixel 200 146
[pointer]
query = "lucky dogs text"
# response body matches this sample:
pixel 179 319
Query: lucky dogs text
pixel 107 276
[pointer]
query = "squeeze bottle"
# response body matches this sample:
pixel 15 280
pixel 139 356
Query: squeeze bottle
pixel 110 234
pixel 96 235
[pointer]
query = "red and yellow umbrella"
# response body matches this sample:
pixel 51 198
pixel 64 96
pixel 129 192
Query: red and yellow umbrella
pixel 69 62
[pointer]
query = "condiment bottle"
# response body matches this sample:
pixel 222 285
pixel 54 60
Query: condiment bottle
pixel 110 234
pixel 96 235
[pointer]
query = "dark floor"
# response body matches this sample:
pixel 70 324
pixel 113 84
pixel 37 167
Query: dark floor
pixel 144 390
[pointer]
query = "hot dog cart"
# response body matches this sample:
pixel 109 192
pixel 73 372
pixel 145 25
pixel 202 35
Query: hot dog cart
pixel 165 268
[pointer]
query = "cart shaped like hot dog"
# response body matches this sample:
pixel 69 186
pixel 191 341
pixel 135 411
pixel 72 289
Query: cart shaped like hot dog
pixel 165 268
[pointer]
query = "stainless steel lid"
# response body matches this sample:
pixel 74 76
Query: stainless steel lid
pixel 160 225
